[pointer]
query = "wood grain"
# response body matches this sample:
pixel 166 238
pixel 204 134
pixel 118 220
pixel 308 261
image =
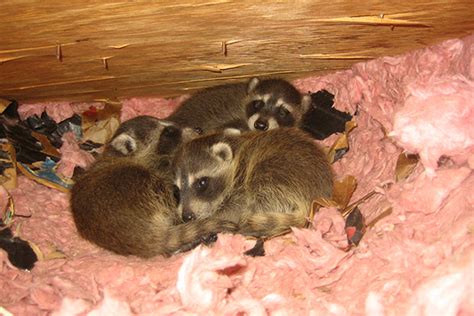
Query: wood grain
pixel 87 50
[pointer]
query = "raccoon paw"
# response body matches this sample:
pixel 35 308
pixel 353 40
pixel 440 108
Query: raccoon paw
pixel 209 239
pixel 258 250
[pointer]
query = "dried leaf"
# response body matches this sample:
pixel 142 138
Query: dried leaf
pixel 316 204
pixel 343 191
pixel 4 104
pixel 48 148
pixel 57 254
pixel 7 209
pixel 350 125
pixel 109 110
pixel 99 125
pixel 8 176
pixel 406 163
pixel 341 145
pixel 324 203
pixel 320 202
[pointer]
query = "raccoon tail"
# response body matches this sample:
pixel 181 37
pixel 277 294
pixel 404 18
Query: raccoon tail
pixel 271 224
pixel 186 236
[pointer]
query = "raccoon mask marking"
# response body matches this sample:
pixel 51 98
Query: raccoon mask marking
pixel 264 182
pixel 204 179
pixel 274 103
pixel 125 202
pixel 254 105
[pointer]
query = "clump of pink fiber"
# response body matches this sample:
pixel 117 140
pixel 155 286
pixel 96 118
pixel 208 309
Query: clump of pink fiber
pixel 417 260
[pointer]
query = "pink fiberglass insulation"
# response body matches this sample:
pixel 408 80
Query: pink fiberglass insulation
pixel 419 260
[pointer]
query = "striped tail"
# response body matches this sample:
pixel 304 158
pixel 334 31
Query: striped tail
pixel 271 224
pixel 186 236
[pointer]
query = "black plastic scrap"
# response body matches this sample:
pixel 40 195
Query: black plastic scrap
pixel 54 131
pixel 322 119
pixel 28 148
pixel 355 226
pixel 19 252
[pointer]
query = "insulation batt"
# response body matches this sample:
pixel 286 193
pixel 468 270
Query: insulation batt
pixel 419 260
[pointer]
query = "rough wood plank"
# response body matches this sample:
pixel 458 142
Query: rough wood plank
pixel 86 50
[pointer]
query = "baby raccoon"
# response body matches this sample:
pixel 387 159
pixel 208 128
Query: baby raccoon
pixel 265 182
pixel 126 202
pixel 256 105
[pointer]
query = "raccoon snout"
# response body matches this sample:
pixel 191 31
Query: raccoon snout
pixel 188 216
pixel 261 125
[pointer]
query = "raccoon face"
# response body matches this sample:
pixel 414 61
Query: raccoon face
pixel 203 176
pixel 274 103
pixel 147 135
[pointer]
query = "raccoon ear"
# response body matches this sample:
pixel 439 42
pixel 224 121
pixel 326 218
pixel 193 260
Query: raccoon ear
pixel 306 102
pixel 222 151
pixel 252 84
pixel 124 144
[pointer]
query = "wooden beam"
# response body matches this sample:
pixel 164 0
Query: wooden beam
pixel 87 50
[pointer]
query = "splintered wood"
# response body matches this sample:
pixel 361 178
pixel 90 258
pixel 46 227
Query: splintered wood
pixel 166 48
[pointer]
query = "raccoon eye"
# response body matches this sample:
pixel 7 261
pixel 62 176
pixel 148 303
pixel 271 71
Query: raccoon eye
pixel 257 104
pixel 170 131
pixel 202 184
pixel 199 130
pixel 282 112
pixel 176 194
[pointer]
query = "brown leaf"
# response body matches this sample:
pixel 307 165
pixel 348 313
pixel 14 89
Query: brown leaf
pixel 343 191
pixel 9 177
pixel 320 202
pixel 350 125
pixel 324 203
pixel 7 210
pixel 4 104
pixel 48 149
pixel 406 163
pixel 100 126
pixel 57 254
pixel 341 145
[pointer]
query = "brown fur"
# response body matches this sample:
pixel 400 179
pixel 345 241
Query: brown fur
pixel 230 105
pixel 125 203
pixel 265 182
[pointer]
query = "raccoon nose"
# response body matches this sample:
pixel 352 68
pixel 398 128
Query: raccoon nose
pixel 188 216
pixel 261 125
